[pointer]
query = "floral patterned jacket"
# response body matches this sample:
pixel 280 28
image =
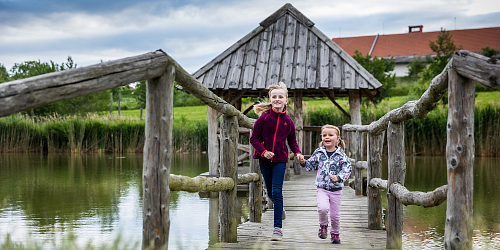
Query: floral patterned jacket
pixel 337 164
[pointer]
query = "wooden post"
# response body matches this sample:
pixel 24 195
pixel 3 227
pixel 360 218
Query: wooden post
pixel 299 127
pixel 229 165
pixel 111 104
pixel 459 162
pixel 213 218
pixel 307 143
pixel 358 175
pixel 355 106
pixel 374 171
pixel 289 165
pixel 354 138
pixel 213 142
pixel 119 104
pixel 348 140
pixel 157 160
pixel 397 170
pixel 255 190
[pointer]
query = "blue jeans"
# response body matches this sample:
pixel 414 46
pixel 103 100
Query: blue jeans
pixel 274 174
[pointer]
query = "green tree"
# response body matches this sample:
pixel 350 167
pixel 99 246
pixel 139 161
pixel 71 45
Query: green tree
pixel 381 69
pixel 4 75
pixel 139 94
pixel 415 67
pixel 489 52
pixel 444 47
pixel 80 105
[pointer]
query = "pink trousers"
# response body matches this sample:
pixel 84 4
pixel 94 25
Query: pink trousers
pixel 329 201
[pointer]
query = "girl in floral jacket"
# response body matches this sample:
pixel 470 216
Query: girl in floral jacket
pixel 334 168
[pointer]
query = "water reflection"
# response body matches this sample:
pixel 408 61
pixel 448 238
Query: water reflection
pixel 46 197
pixel 99 198
pixel 424 227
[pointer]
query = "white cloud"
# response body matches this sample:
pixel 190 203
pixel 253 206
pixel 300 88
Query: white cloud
pixel 479 7
pixel 202 31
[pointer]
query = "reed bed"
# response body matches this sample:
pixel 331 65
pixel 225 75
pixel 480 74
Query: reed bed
pixel 100 134
pixel 90 134
pixel 424 136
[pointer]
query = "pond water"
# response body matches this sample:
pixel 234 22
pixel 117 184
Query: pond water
pixel 96 199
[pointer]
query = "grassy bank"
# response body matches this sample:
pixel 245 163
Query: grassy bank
pixel 102 134
pixel 91 134
pixel 426 136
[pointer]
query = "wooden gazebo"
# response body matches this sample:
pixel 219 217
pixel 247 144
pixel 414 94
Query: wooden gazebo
pixel 285 47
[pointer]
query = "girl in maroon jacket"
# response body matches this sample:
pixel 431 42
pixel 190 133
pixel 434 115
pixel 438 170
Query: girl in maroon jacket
pixel 269 134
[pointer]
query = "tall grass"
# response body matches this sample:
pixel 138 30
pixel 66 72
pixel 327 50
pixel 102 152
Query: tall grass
pixel 424 136
pixel 67 242
pixel 90 134
pixel 99 133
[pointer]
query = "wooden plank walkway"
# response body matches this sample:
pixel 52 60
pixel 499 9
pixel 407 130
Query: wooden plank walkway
pixel 300 228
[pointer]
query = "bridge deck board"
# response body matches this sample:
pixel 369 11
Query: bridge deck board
pixel 301 224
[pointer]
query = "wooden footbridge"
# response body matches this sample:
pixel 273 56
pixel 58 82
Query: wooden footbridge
pixel 300 228
pixel 285 47
pixel 361 222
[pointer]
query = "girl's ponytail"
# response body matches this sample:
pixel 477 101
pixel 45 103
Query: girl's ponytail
pixel 341 143
pixel 261 108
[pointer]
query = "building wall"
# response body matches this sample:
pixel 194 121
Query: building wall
pixel 401 69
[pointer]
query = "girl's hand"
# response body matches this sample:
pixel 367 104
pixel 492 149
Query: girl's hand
pixel 269 155
pixel 334 178
pixel 301 158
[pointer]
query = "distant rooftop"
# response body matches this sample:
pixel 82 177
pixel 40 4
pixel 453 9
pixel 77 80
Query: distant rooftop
pixel 416 42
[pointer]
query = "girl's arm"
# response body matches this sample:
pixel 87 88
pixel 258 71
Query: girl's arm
pixel 345 170
pixel 312 163
pixel 292 139
pixel 258 127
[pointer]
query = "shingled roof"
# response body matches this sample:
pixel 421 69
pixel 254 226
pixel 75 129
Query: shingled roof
pixel 286 47
pixel 413 44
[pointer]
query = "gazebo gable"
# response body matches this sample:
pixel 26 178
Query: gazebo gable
pixel 286 47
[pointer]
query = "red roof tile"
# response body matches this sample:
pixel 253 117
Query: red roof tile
pixel 417 43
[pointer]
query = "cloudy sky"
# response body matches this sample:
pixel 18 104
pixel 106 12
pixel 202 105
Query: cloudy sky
pixel 195 31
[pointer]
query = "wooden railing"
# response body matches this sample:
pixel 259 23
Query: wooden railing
pixel 458 78
pixel 160 71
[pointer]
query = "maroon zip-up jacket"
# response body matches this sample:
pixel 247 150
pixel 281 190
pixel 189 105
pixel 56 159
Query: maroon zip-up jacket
pixel 270 132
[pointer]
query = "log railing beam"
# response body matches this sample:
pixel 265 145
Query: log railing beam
pixel 477 67
pixel 412 109
pixel 24 94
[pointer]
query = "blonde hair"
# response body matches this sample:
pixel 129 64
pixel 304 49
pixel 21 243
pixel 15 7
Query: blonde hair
pixel 265 106
pixel 341 142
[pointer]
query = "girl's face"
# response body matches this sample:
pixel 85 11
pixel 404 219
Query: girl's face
pixel 330 138
pixel 278 99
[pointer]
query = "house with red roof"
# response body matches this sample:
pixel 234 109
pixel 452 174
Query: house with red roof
pixel 406 47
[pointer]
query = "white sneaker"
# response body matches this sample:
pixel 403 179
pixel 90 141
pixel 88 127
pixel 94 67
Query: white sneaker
pixel 277 234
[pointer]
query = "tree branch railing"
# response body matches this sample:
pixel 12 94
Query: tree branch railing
pixel 161 71
pixel 456 78
pixel 406 197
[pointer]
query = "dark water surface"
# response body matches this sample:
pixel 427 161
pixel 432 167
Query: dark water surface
pixel 424 227
pixel 98 198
